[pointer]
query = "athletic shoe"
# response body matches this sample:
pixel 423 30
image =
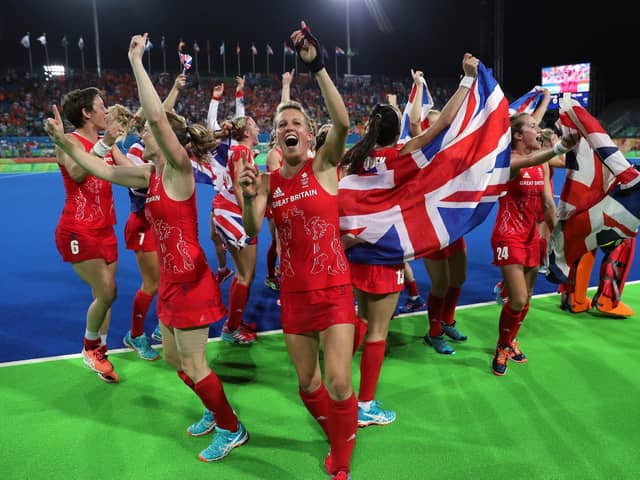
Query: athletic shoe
pixel 157 333
pixel 341 475
pixel 499 363
pixel 223 442
pixel 500 291
pixel 273 283
pixel 413 305
pixel 111 377
pixel 223 275
pixel 439 344
pixel 203 426
pixel 516 354
pixel 244 334
pixel 375 415
pixel 453 333
pixel 141 346
pixel 96 359
pixel 543 270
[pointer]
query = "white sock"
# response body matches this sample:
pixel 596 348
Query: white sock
pixel 103 339
pixel 91 335
pixel 366 406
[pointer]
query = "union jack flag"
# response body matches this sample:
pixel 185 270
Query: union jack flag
pixel 215 171
pixel 528 102
pixel 185 61
pixel 427 104
pixel 600 201
pixel 432 196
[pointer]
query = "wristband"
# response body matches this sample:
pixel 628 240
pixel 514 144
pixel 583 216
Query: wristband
pixel 316 64
pixel 100 148
pixel 217 99
pixel 559 149
pixel 467 81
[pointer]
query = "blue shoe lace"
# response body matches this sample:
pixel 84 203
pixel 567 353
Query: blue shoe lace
pixel 203 426
pixel 439 344
pixel 223 442
pixel 453 333
pixel 375 415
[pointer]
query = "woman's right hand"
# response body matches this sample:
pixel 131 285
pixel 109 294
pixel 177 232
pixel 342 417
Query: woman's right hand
pixel 248 177
pixel 55 128
pixel 417 76
pixel 218 90
pixel 287 77
pixel 470 65
pixel 136 47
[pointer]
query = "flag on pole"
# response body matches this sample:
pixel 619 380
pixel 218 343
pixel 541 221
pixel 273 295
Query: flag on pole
pixel 81 43
pixel 222 48
pixel 238 48
pixel 352 52
pixel 427 104
pixel 254 50
pixel 339 51
pixel 528 102
pixel 64 42
pixel 43 39
pixel 269 50
pixel 417 204
pixel 163 44
pixel 185 61
pixel 26 43
pixel 148 45
pixel 288 50
pixel 196 47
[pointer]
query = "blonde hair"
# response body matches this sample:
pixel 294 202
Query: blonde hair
pixel 122 115
pixel 293 105
pixel 200 139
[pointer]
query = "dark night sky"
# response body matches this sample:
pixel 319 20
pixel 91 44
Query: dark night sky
pixel 430 35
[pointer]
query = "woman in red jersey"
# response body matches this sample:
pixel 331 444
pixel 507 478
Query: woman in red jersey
pixel 378 287
pixel 84 235
pixel 515 240
pixel 188 295
pixel 315 287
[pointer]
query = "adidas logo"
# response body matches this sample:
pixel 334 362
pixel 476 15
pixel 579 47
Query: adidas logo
pixel 304 175
pixel 526 175
pixel 278 193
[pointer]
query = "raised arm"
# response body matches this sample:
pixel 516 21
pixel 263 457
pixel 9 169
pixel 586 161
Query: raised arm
pixel 538 157
pixel 154 111
pixel 548 205
pixel 470 68
pixel 309 50
pixel 287 78
pixel 212 114
pixel 240 96
pixel 541 109
pixel 135 177
pixel 416 109
pixel 178 84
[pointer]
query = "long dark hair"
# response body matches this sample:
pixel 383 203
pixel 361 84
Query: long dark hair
pixel 382 129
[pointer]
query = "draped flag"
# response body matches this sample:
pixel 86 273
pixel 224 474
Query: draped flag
pixel 427 104
pixel 528 102
pixel 432 196
pixel 600 201
pixel 215 172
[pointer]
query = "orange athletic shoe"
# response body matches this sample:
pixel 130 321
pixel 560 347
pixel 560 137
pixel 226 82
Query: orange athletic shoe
pixel 96 359
pixel 605 306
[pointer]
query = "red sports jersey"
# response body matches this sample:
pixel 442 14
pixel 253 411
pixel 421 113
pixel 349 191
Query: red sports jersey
pixel 306 217
pixel 521 208
pixel 88 204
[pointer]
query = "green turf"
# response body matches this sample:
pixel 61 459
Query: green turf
pixel 570 413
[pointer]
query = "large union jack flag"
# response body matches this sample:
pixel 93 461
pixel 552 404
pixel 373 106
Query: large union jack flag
pixel 435 195
pixel 600 200
pixel 213 172
pixel 528 102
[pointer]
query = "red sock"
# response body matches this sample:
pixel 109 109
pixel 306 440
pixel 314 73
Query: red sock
pixel 185 378
pixel 412 288
pixel 238 296
pixel 343 424
pixel 272 256
pixel 210 391
pixel 508 320
pixel 370 366
pixel 141 303
pixel 317 403
pixel 518 324
pixel 434 311
pixel 450 303
pixel 91 344
pixel 360 332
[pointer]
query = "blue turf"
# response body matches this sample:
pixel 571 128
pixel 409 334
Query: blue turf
pixel 43 302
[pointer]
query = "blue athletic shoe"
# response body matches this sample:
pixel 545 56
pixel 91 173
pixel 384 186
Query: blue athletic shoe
pixel 223 442
pixel 413 305
pixel 453 333
pixel 203 426
pixel 439 344
pixel 375 415
pixel 499 362
pixel 157 334
pixel 141 346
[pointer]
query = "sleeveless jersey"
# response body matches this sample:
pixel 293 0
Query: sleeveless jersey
pixel 88 204
pixel 521 208
pixel 227 197
pixel 306 217
pixel 175 228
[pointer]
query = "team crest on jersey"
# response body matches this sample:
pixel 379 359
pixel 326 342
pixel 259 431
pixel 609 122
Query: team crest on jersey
pixel 526 175
pixel 304 179
pixel 278 193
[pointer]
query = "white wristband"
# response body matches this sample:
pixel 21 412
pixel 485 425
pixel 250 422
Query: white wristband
pixel 467 81
pixel 559 148
pixel 100 149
